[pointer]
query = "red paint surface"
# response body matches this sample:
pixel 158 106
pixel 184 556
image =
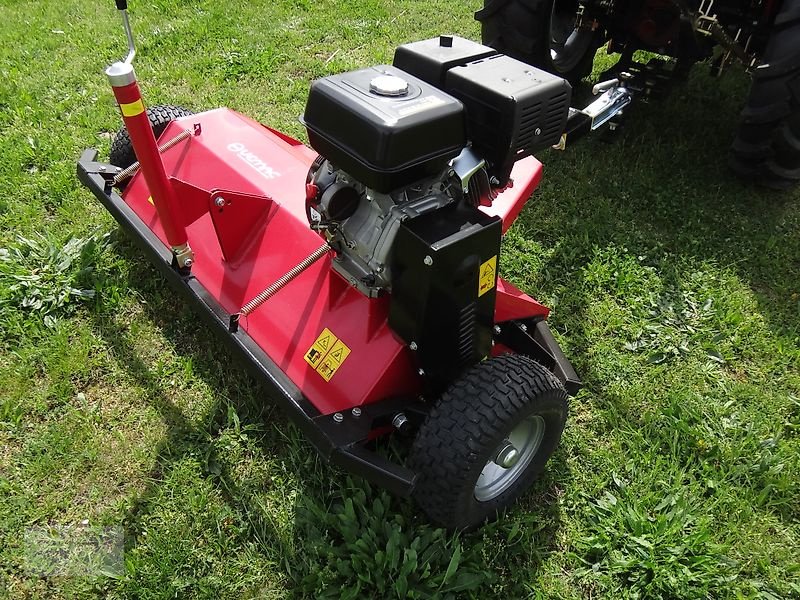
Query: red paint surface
pixel 141 134
pixel 512 303
pixel 526 177
pixel 264 232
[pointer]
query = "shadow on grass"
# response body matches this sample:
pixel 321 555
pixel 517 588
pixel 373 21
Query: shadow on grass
pixel 663 191
pixel 341 534
pixel 661 195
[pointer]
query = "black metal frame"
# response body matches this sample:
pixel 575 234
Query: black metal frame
pixel 341 437
pixel 533 338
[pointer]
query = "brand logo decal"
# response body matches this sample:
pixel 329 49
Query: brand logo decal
pixel 253 160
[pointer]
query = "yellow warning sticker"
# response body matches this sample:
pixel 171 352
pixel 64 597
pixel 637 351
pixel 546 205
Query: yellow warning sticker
pixel 487 276
pixel 333 360
pixel 132 109
pixel 317 352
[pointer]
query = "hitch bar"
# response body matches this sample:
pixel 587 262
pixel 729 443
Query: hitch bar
pixel 614 96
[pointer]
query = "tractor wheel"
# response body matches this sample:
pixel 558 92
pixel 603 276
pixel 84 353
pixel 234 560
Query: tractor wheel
pixel 487 439
pixel 767 145
pixel 122 154
pixel 541 33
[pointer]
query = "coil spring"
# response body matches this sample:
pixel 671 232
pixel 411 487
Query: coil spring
pixel 280 283
pixel 125 173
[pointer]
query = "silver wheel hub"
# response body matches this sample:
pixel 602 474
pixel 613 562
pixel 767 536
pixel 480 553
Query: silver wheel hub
pixel 511 458
pixel 508 456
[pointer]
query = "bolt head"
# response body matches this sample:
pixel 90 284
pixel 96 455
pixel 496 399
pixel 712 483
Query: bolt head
pixel 538 131
pixel 219 201
pixel 338 417
pixel 413 345
pixel 399 421
pixel 188 262
pixel 421 372
pixel 428 260
pixel 497 330
pixel 523 327
pixel 356 412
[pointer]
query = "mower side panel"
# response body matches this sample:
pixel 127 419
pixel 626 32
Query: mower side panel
pixel 241 187
pixel 240 160
pixel 338 441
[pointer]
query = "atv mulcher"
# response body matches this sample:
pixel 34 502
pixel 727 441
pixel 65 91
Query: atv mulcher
pixel 359 279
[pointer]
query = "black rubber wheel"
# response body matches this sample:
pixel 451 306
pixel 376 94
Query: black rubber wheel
pixel 122 154
pixel 541 33
pixel 507 398
pixel 767 145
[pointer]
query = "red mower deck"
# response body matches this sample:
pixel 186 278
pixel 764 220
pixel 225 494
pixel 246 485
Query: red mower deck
pixel 364 296
pixel 264 225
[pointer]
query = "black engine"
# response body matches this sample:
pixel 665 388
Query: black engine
pixel 388 126
pixel 407 152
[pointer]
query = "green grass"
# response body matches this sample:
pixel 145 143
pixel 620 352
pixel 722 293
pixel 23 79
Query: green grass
pixel 674 288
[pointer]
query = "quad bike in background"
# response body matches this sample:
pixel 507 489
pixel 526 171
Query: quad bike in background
pixel 562 37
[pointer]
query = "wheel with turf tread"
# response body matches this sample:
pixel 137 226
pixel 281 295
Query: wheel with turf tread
pixel 122 154
pixel 766 149
pixel 529 30
pixel 461 437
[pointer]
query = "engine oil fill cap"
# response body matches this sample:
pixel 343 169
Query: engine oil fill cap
pixel 388 85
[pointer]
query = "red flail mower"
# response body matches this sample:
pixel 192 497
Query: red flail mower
pixel 358 278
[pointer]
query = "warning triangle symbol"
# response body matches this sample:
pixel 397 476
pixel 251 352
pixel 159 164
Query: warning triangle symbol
pixel 324 342
pixel 337 355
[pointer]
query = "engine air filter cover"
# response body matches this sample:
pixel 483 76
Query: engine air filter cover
pixel 430 60
pixel 513 109
pixel 383 126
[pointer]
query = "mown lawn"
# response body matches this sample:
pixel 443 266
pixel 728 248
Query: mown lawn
pixel 675 293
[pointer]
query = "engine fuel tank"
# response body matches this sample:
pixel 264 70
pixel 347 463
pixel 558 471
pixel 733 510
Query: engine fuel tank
pixel 383 126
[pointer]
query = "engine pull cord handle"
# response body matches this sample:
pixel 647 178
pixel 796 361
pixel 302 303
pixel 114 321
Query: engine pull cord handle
pixel 122 7
pixel 273 289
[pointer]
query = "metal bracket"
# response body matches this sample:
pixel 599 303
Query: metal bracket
pixel 466 165
pixel 184 257
pixel 614 96
pixel 533 338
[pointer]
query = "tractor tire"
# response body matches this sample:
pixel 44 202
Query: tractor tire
pixel 506 398
pixel 122 154
pixel 766 149
pixel 539 32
